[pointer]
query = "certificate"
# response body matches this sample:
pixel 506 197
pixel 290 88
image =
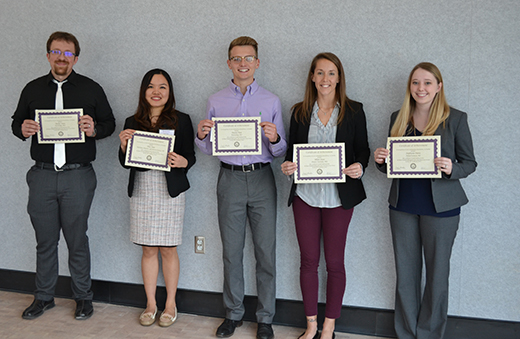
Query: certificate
pixel 59 126
pixel 412 157
pixel 319 163
pixel 149 150
pixel 237 136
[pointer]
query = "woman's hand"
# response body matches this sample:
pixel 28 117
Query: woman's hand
pixel 444 164
pixel 177 161
pixel 124 136
pixel 355 171
pixel 380 155
pixel 288 167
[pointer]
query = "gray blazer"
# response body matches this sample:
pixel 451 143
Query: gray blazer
pixel 457 145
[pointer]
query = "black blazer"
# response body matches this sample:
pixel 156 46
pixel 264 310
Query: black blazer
pixel 456 144
pixel 176 178
pixel 352 132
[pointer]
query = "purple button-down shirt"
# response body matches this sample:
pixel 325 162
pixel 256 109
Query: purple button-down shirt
pixel 257 101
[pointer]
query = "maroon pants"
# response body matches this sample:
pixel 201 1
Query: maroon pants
pixel 310 223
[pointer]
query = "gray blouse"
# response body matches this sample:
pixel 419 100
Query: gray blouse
pixel 322 195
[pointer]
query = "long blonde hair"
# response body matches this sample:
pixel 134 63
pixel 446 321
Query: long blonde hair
pixel 439 109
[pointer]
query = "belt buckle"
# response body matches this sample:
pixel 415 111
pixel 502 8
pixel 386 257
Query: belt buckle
pixel 58 169
pixel 244 168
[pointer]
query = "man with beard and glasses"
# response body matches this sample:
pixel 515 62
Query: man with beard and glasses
pixel 62 180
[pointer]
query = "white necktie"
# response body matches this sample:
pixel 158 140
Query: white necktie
pixel 59 149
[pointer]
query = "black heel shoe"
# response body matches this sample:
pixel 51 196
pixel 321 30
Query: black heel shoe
pixel 316 336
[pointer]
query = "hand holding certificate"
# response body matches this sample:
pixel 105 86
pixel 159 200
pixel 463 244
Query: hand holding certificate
pixel 413 157
pixel 319 163
pixel 237 136
pixel 149 150
pixel 59 126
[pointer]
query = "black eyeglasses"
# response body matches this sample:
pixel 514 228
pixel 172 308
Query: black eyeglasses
pixel 57 52
pixel 247 58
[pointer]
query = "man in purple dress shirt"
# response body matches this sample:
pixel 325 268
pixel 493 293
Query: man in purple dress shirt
pixel 246 188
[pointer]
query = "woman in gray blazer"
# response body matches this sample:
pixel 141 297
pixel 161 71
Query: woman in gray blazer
pixel 424 213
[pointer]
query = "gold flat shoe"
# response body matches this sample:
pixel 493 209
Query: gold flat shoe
pixel 147 318
pixel 166 319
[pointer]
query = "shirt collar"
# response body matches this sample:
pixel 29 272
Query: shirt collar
pixel 333 116
pixel 316 108
pixel 70 79
pixel 251 89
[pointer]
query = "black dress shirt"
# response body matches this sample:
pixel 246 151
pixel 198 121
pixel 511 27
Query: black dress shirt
pixel 78 92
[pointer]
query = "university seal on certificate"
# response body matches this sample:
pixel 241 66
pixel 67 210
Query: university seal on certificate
pixel 412 157
pixel 237 136
pixel 59 126
pixel 149 150
pixel 319 163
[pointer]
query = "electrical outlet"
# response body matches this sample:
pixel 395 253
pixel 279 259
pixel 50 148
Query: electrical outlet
pixel 200 244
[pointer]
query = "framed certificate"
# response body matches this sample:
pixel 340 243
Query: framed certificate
pixel 318 163
pixel 149 150
pixel 59 126
pixel 412 157
pixel 237 136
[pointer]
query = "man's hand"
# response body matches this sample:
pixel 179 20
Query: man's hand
pixel 29 128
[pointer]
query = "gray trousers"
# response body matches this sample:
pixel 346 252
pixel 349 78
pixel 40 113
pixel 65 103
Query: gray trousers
pixel 412 234
pixel 252 196
pixel 61 201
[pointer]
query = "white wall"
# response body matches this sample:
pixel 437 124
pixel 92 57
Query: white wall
pixel 476 44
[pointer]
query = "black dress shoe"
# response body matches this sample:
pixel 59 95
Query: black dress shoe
pixel 84 309
pixel 264 331
pixel 227 328
pixel 37 308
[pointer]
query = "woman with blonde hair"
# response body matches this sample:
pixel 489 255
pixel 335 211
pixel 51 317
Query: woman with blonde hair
pixel 326 115
pixel 424 212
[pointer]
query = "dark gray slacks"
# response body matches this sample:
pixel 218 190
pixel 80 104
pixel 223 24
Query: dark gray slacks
pixel 411 235
pixel 252 196
pixel 61 201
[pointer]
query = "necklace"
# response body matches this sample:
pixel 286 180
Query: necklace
pixel 325 112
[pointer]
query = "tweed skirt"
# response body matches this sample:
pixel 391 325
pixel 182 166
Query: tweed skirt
pixel 156 219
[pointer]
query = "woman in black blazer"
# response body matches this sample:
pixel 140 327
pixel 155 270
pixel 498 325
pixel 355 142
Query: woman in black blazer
pixel 424 213
pixel 157 197
pixel 326 115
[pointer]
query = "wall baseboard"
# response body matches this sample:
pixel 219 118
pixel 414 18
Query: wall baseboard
pixel 358 320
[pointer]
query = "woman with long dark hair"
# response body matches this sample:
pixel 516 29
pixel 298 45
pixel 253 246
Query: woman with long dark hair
pixel 326 115
pixel 424 212
pixel 157 198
